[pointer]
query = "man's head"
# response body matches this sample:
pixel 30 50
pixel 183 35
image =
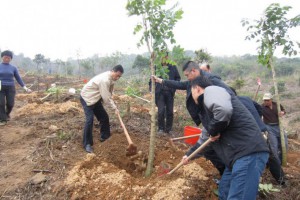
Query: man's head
pixel 205 67
pixel 191 70
pixel 6 56
pixel 117 72
pixel 198 86
pixel 267 99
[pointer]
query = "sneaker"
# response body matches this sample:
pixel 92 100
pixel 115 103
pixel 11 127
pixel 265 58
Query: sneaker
pixel 3 123
pixel 88 148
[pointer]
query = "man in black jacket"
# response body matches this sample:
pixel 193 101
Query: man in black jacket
pixel 164 99
pixel 191 71
pixel 237 139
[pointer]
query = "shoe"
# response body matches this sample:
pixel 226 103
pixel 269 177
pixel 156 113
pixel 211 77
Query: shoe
pixel 103 139
pixel 88 148
pixel 3 123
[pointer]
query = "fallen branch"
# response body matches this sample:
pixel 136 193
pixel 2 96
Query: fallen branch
pixel 42 170
pixel 48 95
pixel 141 98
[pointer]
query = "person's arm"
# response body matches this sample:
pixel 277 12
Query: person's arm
pixel 258 108
pixel 18 78
pixel 20 81
pixel 177 75
pixel 282 111
pixel 106 94
pixel 180 85
pixel 218 101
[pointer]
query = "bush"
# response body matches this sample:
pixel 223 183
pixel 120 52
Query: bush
pixel 280 86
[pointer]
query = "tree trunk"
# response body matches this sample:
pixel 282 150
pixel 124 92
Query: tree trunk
pixel 282 139
pixel 153 123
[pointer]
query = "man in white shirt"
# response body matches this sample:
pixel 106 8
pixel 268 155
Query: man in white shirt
pixel 97 91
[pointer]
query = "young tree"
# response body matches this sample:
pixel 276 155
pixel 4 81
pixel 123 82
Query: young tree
pixel 271 31
pixel 157 23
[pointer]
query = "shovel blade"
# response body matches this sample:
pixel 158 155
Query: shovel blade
pixel 131 150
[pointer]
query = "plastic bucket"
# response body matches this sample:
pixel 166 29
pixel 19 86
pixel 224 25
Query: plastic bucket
pixel 189 130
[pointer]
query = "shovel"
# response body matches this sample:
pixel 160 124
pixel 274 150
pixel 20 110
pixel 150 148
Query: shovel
pixel 207 142
pixel 131 149
pixel 181 138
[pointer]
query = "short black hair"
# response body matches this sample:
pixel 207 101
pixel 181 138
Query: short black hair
pixel 189 65
pixel 201 81
pixel 7 53
pixel 118 68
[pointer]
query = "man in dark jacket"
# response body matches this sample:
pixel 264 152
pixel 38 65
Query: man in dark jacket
pixel 191 71
pixel 237 139
pixel 164 99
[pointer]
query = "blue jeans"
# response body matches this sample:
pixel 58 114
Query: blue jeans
pixel 98 110
pixel 241 182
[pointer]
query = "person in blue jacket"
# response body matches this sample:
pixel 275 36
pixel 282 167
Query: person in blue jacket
pixel 8 73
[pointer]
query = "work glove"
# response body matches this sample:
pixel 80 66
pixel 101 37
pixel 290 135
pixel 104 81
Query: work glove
pixel 27 89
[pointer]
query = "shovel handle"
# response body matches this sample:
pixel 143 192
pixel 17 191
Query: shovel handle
pixel 185 137
pixel 207 142
pixel 125 130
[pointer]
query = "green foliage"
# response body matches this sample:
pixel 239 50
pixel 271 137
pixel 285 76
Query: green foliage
pixel 157 24
pixel 267 189
pixel 179 56
pixel 271 31
pixel 202 56
pixel 63 135
pixel 132 91
pixel 280 86
pixel 89 66
pixel 239 83
pixel 57 91
pixel 141 62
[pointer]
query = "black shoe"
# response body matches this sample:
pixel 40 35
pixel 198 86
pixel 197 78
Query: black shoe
pixel 88 148
pixel 103 139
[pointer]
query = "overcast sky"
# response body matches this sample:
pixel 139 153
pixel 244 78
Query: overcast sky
pixel 59 29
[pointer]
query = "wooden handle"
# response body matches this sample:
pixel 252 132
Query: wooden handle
pixel 185 137
pixel 192 155
pixel 125 130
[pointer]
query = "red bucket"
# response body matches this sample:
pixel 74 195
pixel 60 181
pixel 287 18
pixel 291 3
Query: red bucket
pixel 190 130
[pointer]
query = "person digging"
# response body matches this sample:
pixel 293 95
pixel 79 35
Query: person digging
pixel 96 92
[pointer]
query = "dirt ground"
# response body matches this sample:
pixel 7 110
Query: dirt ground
pixel 42 156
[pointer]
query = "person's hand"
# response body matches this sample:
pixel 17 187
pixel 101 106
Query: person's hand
pixel 156 79
pixel 27 89
pixel 281 113
pixel 214 138
pixel 185 160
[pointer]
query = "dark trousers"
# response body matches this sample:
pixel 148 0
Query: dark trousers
pixel 98 110
pixel 274 162
pixel 7 101
pixel 165 104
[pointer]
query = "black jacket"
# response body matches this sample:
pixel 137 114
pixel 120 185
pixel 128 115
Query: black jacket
pixel 173 75
pixel 222 113
pixel 186 85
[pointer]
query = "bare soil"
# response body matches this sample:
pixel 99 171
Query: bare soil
pixel 42 156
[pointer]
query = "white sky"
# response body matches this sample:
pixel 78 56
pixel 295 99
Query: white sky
pixel 59 29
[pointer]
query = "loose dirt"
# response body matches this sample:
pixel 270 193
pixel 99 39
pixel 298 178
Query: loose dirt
pixel 42 156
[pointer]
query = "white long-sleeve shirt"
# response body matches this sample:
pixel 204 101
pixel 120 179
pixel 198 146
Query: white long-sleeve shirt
pixel 100 86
